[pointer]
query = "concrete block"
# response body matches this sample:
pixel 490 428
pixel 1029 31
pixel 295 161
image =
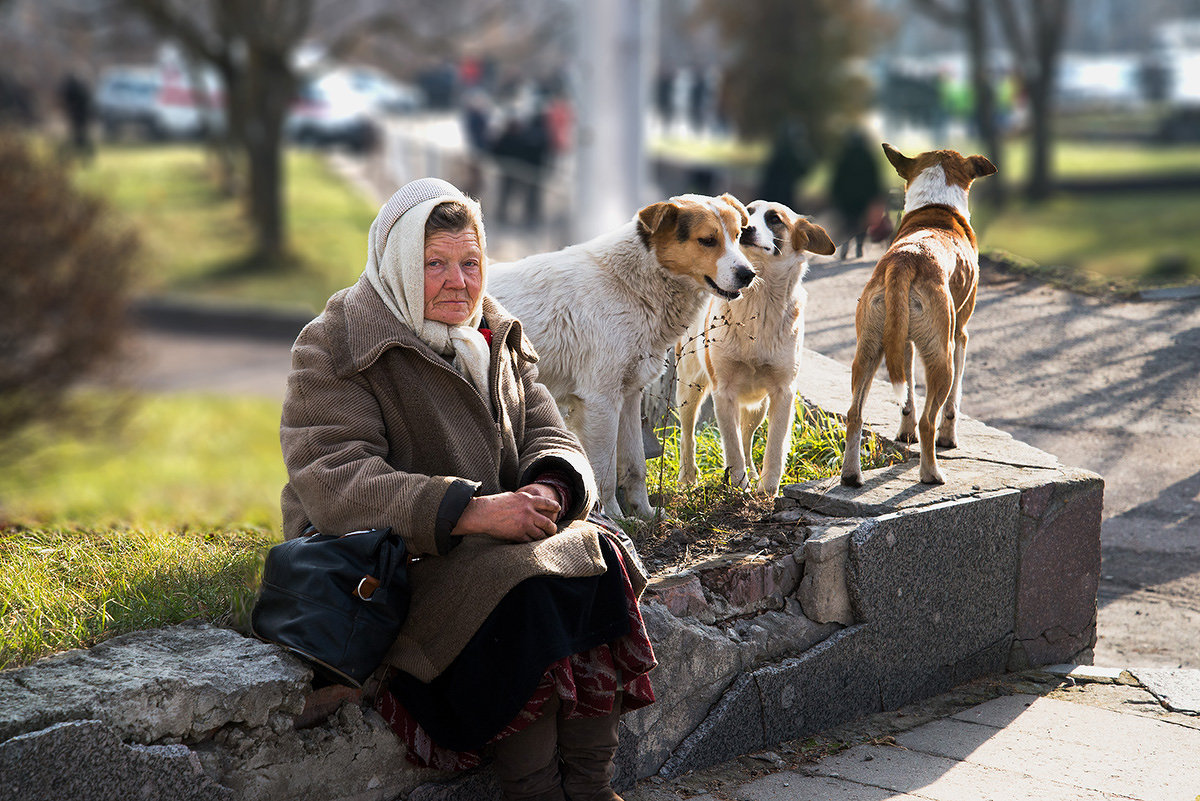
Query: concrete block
pixel 831 683
pixel 1059 574
pixel 181 682
pixel 941 602
pixel 823 592
pixel 735 726
pixel 696 663
pixel 86 761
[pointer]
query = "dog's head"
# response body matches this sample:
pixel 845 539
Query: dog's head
pixel 696 237
pixel 938 177
pixel 774 229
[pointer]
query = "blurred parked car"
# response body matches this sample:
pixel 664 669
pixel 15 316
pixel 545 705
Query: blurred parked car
pixel 378 90
pixel 328 112
pixel 156 103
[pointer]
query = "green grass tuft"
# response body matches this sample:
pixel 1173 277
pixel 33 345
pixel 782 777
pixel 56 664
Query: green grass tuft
pixel 67 588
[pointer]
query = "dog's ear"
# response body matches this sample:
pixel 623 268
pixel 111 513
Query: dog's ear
pixel 980 166
pixel 738 207
pixel 656 215
pixel 901 162
pixel 811 237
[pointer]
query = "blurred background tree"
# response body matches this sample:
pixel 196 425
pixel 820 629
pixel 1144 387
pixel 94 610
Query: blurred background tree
pixel 251 44
pixel 64 284
pixel 789 59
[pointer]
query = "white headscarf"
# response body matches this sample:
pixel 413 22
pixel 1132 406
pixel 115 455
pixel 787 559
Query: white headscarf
pixel 396 269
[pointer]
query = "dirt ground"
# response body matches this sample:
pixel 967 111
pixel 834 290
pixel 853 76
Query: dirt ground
pixel 1113 387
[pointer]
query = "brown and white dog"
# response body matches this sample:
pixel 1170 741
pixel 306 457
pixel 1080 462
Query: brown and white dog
pixel 603 313
pixel 746 352
pixel 920 298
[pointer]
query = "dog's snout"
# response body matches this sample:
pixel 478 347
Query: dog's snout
pixel 743 275
pixel 748 237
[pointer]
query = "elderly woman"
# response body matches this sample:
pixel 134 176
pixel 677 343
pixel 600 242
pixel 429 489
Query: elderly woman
pixel 413 403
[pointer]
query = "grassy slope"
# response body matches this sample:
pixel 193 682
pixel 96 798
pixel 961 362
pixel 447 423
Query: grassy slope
pixel 196 240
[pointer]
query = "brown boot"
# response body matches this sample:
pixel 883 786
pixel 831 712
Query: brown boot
pixel 527 763
pixel 586 747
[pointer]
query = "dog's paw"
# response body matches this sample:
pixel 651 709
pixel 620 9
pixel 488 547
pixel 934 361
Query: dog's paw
pixel 949 443
pixel 852 480
pixel 908 437
pixel 933 476
pixel 737 479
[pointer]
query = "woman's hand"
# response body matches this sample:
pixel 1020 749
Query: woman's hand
pixel 527 515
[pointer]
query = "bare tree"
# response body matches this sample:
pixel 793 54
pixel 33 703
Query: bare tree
pixel 970 17
pixel 796 57
pixel 250 44
pixel 1035 30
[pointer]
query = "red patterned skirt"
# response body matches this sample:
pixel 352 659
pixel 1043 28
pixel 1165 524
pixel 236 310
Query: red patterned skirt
pixel 586 683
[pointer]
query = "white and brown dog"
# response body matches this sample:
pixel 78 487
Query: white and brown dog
pixel 603 313
pixel 746 352
pixel 919 299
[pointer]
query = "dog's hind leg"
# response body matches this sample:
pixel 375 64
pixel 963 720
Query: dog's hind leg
pixel 948 431
pixel 862 372
pixel 908 412
pixel 751 419
pixel 631 456
pixel 779 437
pixel 939 378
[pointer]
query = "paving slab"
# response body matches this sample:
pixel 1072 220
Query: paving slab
pixel 938 778
pixel 1113 762
pixel 1179 690
pixel 791 786
pixel 1063 722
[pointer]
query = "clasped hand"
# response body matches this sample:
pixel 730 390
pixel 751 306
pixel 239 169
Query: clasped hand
pixel 529 514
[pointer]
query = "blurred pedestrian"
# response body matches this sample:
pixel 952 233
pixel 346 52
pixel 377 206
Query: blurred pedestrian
pixel 522 150
pixel 477 130
pixel 790 160
pixel 76 98
pixel 856 190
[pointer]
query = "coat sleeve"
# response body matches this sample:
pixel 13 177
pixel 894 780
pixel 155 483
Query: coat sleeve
pixel 335 449
pixel 548 445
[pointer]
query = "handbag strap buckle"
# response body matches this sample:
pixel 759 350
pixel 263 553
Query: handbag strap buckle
pixel 366 588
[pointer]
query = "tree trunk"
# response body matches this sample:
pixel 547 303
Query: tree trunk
pixel 985 97
pixel 270 85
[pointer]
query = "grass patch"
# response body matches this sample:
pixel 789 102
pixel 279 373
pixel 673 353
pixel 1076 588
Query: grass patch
pixel 160 461
pixel 1100 243
pixel 69 588
pixel 818 442
pixel 161 512
pixel 196 240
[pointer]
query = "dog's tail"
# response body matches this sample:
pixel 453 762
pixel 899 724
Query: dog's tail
pixel 895 323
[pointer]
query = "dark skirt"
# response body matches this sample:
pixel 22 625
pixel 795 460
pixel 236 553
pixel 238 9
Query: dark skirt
pixel 540 621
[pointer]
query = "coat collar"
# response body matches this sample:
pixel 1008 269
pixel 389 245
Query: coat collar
pixel 370 328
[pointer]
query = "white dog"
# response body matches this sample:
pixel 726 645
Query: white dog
pixel 746 352
pixel 603 313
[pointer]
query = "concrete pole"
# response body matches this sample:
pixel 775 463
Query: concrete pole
pixel 615 53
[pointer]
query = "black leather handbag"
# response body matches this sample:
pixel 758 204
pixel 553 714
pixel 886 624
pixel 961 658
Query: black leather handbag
pixel 338 602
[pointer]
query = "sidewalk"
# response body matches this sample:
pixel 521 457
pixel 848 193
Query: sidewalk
pixel 1089 734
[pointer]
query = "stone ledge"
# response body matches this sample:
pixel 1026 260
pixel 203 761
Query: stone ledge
pixel 924 588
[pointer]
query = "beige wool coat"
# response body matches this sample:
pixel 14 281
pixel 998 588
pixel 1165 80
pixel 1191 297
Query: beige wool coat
pixel 379 430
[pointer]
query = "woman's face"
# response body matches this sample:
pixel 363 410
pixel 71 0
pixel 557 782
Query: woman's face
pixel 453 275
